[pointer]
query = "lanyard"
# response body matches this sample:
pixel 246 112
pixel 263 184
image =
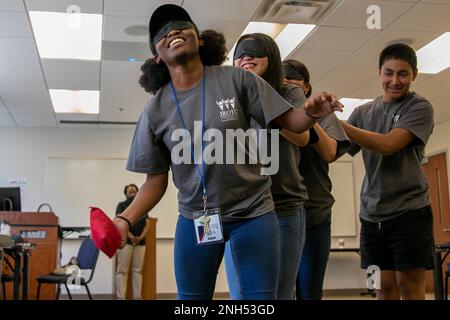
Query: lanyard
pixel 180 115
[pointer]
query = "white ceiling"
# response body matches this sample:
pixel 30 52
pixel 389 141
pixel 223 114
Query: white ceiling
pixel 341 53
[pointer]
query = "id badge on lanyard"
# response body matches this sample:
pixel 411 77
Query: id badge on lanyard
pixel 208 226
pixel 207 222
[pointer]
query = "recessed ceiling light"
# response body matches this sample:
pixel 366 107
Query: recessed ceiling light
pixel 350 104
pixel 137 30
pixel 435 56
pixel 67 35
pixel 69 101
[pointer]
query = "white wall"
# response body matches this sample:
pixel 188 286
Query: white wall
pixel 24 155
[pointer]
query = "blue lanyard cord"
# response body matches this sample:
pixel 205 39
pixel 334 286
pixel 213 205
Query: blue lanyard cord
pixel 180 115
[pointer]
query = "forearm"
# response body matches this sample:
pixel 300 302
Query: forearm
pixel 147 197
pixel 367 139
pixel 299 139
pixel 295 120
pixel 326 146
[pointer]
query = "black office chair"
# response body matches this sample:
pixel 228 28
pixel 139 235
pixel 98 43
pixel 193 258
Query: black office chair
pixel 87 260
pixel 447 276
pixel 5 278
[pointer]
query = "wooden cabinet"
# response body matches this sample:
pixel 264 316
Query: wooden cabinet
pixel 40 228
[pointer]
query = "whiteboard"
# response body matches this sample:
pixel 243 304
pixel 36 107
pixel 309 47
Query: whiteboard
pixel 74 184
pixel 343 219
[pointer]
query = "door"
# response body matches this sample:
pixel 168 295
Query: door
pixel 436 170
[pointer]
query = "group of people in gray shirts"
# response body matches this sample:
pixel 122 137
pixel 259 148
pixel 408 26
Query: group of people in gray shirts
pixel 274 231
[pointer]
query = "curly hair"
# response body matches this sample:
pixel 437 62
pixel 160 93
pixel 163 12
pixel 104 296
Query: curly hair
pixel 212 52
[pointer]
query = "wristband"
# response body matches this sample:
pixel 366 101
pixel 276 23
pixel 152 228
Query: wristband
pixel 311 116
pixel 125 219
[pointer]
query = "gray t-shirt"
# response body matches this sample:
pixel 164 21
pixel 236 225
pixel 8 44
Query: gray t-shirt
pixel 315 171
pixel 234 96
pixel 397 183
pixel 288 189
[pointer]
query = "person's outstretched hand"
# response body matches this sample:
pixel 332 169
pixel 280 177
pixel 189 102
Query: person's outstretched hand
pixel 322 103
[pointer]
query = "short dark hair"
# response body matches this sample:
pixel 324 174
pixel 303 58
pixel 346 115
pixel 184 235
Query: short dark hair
pixel 301 70
pixel 129 185
pixel 399 51
pixel 212 52
pixel 274 72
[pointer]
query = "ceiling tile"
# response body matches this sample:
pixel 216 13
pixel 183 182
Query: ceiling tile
pixel 20 74
pixel 354 13
pixel 131 97
pixel 5 119
pixel 135 8
pixel 114 29
pixel 327 59
pixel 85 6
pixel 12 5
pixel 370 90
pixel 414 38
pixel 338 39
pixel 425 18
pixel 230 10
pixel 72 74
pixel 231 29
pixel 27 99
pixel 76 117
pixel 34 118
pixel 435 85
pixel 18 47
pixel 14 24
pixel 446 2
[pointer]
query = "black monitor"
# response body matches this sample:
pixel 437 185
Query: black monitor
pixel 10 199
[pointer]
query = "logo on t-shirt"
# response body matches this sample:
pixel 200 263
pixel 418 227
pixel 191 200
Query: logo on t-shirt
pixel 228 109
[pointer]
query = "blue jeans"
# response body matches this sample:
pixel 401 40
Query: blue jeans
pixel 292 235
pixel 254 244
pixel 314 261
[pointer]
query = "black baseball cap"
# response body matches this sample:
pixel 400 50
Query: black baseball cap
pixel 164 14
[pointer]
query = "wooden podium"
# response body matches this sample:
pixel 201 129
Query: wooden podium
pixel 149 269
pixel 40 228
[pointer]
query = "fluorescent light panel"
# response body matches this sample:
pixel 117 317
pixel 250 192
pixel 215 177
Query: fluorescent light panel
pixel 287 37
pixel 291 37
pixel 69 101
pixel 67 35
pixel 435 56
pixel 350 104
